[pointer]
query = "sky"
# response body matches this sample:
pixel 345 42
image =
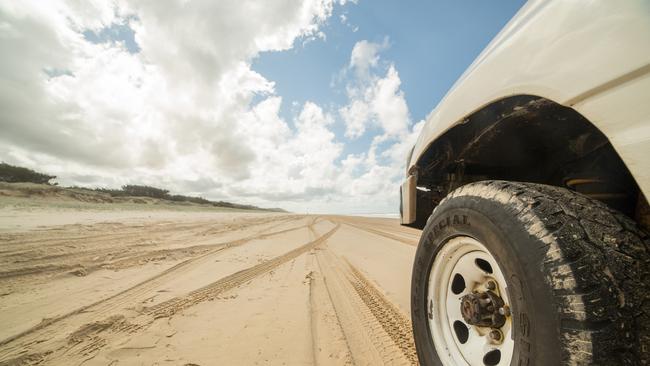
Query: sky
pixel 307 105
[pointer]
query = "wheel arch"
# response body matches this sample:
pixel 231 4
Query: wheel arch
pixel 531 139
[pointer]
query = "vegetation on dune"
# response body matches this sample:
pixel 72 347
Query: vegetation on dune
pixel 14 174
pixel 145 191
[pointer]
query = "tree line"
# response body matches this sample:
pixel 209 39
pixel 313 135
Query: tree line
pixel 16 174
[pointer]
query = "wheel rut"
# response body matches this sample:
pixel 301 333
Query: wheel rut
pixel 396 325
pixel 376 331
pixel 47 253
pixel 384 234
pixel 106 309
pixel 342 317
pixel 127 295
pixel 209 292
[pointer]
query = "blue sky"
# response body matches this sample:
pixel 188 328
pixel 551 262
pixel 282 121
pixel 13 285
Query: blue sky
pixel 309 105
pixel 431 44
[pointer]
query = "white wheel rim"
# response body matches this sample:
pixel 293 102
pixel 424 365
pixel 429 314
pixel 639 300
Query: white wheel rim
pixel 458 256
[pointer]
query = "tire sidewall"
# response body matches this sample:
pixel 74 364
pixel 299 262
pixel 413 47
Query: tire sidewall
pixel 520 257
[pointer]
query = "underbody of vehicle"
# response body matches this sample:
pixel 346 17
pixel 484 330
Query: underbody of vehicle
pixel 530 180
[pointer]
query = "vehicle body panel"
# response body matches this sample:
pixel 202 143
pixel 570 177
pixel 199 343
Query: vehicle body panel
pixel 407 200
pixel 592 56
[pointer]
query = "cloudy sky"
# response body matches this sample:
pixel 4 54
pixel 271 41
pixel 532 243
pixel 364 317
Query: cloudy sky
pixel 307 105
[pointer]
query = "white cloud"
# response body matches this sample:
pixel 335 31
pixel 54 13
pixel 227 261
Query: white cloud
pixel 365 55
pixel 181 97
pixel 181 113
pixel 388 103
pixel 374 100
pixel 356 116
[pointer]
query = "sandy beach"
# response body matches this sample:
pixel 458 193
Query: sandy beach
pixel 88 287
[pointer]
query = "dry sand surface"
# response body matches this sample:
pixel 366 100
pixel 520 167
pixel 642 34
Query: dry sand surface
pixel 203 288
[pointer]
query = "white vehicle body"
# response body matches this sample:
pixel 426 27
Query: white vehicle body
pixel 596 62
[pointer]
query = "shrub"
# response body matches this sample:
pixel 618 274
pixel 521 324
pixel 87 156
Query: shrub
pixel 16 174
pixel 145 191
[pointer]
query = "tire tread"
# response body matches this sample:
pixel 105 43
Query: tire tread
pixel 597 263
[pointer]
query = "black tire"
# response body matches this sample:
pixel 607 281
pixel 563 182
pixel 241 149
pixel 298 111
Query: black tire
pixel 577 272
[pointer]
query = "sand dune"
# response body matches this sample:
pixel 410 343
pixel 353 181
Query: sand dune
pixel 207 289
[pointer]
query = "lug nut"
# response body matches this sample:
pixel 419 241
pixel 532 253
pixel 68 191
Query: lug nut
pixel 491 285
pixel 495 335
pixel 505 310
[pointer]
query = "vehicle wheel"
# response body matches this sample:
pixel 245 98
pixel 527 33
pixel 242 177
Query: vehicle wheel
pixel 526 274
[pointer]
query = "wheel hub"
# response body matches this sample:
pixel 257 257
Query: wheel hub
pixel 482 309
pixel 468 306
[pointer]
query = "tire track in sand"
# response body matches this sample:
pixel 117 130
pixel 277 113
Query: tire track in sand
pixel 376 331
pixel 43 258
pixel 28 262
pixel 384 234
pixel 89 342
pixel 209 292
pixel 127 295
pixel 388 315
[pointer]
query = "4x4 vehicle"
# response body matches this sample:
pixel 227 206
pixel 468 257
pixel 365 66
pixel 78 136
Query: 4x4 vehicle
pixel 530 180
